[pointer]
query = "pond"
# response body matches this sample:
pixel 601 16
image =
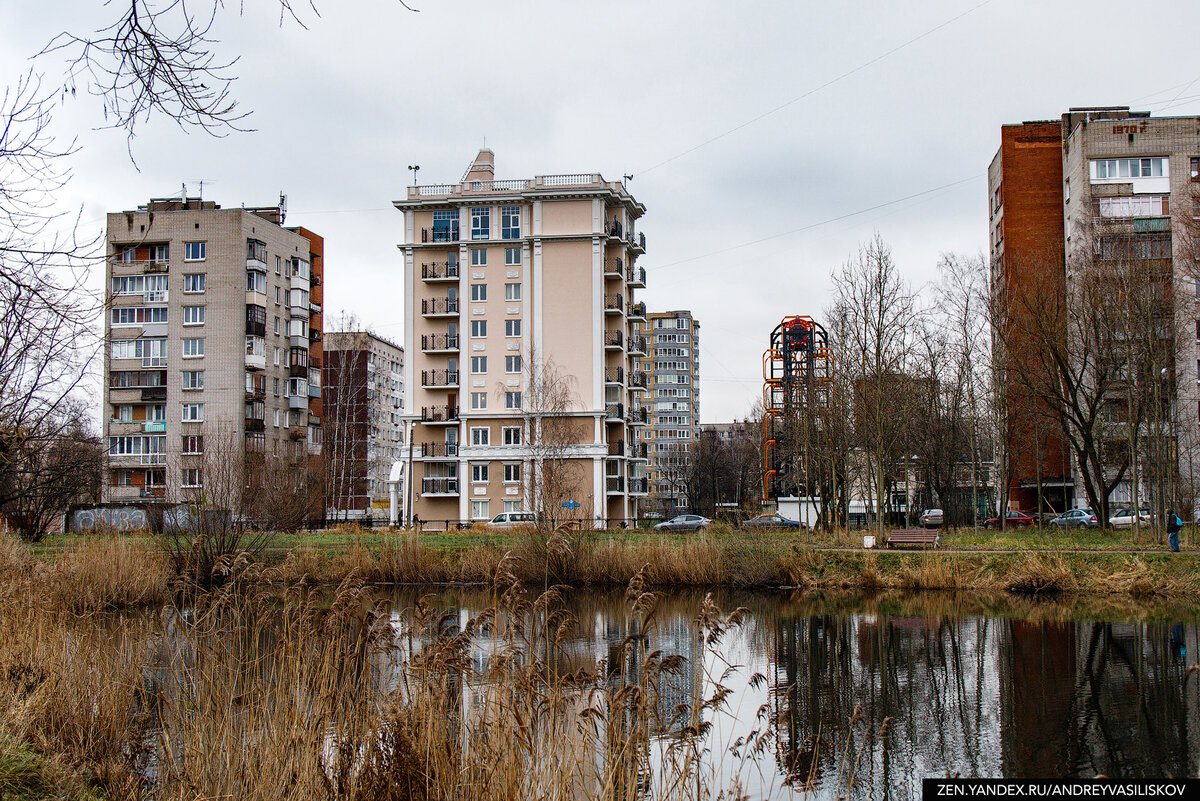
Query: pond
pixel 892 689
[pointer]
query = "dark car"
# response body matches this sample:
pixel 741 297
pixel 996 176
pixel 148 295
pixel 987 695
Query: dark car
pixel 1076 518
pixel 1012 519
pixel 772 520
pixel 683 523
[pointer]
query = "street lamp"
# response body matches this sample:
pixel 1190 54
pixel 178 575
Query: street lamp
pixel 415 168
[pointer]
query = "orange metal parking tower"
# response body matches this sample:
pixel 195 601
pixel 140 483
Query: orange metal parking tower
pixel 797 372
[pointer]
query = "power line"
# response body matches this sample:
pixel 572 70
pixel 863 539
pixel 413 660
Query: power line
pixel 811 226
pixel 814 90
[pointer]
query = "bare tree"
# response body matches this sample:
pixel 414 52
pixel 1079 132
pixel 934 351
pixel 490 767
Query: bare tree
pixel 349 415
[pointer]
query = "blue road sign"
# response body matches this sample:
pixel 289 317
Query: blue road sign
pixel 570 504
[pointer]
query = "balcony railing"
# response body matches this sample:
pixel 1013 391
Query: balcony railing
pixel 614 484
pixel 154 427
pixel 637 277
pixel 616 448
pixel 436 342
pixel 639 450
pixel 439 378
pixel 637 310
pixel 436 485
pixel 255 425
pixel 637 379
pixel 433 307
pixel 614 268
pixel 638 417
pixel 439 414
pixel 639 486
pixel 154 393
pixel 637 346
pixel 614 375
pixel 436 449
pixel 314 335
pixel 614 228
pixel 614 411
pixel 439 234
pixel 614 304
pixel 440 271
pixel 614 339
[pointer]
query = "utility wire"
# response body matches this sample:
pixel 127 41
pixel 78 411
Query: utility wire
pixel 816 89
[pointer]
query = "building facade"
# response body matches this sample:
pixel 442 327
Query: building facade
pixel 212 347
pixel 520 334
pixel 1113 189
pixel 672 369
pixel 364 421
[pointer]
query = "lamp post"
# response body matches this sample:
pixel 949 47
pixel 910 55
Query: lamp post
pixel 414 168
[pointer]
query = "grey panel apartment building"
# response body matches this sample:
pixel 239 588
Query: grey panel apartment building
pixel 212 345
pixel 672 369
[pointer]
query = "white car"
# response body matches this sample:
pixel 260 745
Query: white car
pixel 1124 518
pixel 513 520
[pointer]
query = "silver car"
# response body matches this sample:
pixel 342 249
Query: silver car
pixel 1124 518
pixel 683 523
pixel 931 518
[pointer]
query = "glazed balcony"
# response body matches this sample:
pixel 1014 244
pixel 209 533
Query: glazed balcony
pixel 614 340
pixel 439 415
pixel 439 379
pixel 439 343
pixel 439 307
pixel 439 271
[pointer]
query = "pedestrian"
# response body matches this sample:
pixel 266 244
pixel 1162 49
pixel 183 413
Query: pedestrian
pixel 416 521
pixel 1173 526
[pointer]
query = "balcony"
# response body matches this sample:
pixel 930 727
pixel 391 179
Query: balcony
pixel 314 307
pixel 256 393
pixel 439 379
pixel 637 346
pixel 614 268
pixel 444 450
pixel 153 458
pixel 439 343
pixel 314 335
pixel 439 485
pixel 638 417
pixel 154 427
pixel 255 425
pixel 637 380
pixel 639 486
pixel 256 264
pixel 298 432
pixel 297 309
pixel 439 234
pixel 153 266
pixel 314 390
pixel 614 229
pixel 614 304
pixel 638 243
pixel 614 340
pixel 298 371
pixel 154 393
pixel 439 415
pixel 614 412
pixel 298 402
pixel 439 307
pixel 614 485
pixel 637 277
pixel 256 321
pixel 439 271
pixel 614 375
pixel 637 311
pixel 616 447
pixel 639 450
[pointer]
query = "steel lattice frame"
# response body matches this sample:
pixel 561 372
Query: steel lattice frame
pixel 797 373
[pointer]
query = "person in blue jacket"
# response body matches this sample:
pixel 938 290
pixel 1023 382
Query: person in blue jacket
pixel 1173 526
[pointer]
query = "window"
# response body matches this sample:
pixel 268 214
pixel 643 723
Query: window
pixel 481 436
pixel 512 328
pixel 193 315
pixel 160 253
pixel 510 222
pixel 479 364
pixel 1117 169
pixel 193 412
pixel 193 251
pixel 299 299
pixel 301 268
pixel 479 473
pixel 478 292
pixel 277 357
pixel 479 510
pixel 276 387
pixel 193 379
pixel 193 348
pixel 445 226
pixel 256 282
pixel 512 257
pixel 193 445
pixel 512 472
pixel 512 400
pixel 277 300
pixel 278 265
pixel 191 477
pixel 276 326
pixel 478 400
pixel 512 506
pixel 138 315
pixel 511 435
pixel 193 282
pixel 478 257
pixel 481 223
pixel 128 255
pixel 512 291
pixel 275 421
pixel 478 329
pixel 1132 206
pixel 256 250
pixel 1146 246
pixel 512 364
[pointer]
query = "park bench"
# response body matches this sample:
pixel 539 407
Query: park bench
pixel 918 537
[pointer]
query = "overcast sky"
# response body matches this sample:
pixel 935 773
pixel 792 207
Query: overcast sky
pixel 342 105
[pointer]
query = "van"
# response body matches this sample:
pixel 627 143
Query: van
pixel 513 520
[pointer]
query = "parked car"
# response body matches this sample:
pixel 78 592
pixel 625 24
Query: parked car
pixel 683 523
pixel 1123 518
pixel 772 520
pixel 1012 519
pixel 513 520
pixel 931 518
pixel 1077 518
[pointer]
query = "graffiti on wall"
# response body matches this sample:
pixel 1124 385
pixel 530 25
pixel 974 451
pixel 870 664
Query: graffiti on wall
pixel 118 518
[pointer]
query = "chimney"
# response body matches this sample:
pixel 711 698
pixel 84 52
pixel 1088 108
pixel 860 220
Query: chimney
pixel 483 168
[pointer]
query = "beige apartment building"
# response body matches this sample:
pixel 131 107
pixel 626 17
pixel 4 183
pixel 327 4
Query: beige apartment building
pixel 672 369
pixel 213 347
pixel 520 329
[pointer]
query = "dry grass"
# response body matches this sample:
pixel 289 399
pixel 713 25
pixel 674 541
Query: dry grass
pixel 109 572
pixel 1041 574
